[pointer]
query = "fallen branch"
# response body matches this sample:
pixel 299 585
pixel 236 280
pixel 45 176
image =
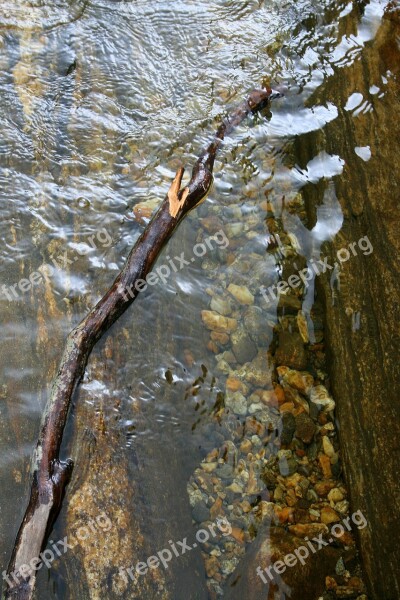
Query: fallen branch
pixel 50 475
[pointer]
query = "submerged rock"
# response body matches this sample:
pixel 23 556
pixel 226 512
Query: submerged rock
pixel 234 384
pixel 200 512
pixel 219 338
pixel 287 466
pixel 217 322
pixel 319 395
pixel 243 346
pixel 143 210
pixel 291 351
pixel 288 428
pixel 328 447
pixel 288 304
pixel 257 372
pixel 236 402
pixel 255 322
pixel 309 530
pixel 234 229
pixel 302 326
pixel 305 428
pixel 328 515
pixel 300 381
pixel 221 305
pixel 241 293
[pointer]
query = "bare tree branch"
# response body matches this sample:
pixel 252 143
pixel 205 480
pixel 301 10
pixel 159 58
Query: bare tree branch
pixel 49 474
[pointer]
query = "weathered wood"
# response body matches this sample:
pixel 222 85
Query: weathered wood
pixel 49 474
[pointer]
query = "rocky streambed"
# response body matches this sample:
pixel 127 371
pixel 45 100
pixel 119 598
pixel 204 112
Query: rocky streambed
pixel 272 465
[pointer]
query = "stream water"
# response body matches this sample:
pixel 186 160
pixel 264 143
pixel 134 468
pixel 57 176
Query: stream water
pixel 101 102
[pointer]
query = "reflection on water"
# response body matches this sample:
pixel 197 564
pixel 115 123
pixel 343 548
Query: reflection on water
pixel 100 103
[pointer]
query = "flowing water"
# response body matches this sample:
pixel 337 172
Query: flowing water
pixel 101 102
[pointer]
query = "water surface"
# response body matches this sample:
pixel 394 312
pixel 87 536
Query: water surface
pixel 101 102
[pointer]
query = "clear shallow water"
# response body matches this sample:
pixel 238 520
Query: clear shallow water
pixel 100 103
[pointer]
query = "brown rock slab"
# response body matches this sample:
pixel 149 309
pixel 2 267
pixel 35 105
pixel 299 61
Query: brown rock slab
pixel 362 324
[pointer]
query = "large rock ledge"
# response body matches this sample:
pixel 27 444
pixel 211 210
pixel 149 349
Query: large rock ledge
pixel 362 320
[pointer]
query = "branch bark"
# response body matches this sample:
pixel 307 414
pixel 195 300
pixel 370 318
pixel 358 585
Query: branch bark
pixel 50 475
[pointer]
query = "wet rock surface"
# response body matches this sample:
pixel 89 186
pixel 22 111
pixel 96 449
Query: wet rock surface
pixel 362 316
